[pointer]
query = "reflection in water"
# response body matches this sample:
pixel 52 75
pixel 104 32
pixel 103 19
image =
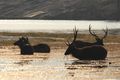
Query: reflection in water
pixel 85 69
pixel 23 62
pixel 71 74
pixel 86 63
pixel 29 59
pixel 52 66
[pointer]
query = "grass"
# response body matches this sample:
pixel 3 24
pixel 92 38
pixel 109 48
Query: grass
pixel 54 38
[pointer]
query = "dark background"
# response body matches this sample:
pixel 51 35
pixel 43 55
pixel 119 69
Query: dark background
pixel 60 9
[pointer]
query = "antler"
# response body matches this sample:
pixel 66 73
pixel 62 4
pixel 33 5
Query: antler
pixel 75 33
pixel 106 33
pixel 92 33
pixel 67 43
pixel 75 36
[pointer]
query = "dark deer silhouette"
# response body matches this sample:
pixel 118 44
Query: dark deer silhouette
pixel 25 47
pixel 93 52
pixel 85 50
pixel 81 44
pixel 42 48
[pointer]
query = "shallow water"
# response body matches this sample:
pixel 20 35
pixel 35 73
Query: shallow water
pixel 53 25
pixel 54 66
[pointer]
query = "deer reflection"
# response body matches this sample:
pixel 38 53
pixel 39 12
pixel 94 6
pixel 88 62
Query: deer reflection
pixel 23 62
pixel 82 64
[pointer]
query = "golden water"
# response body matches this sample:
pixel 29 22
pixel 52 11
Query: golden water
pixel 53 66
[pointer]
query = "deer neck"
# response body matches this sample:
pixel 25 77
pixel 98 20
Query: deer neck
pixel 98 43
pixel 76 50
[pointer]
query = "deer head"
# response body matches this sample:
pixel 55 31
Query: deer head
pixel 70 48
pixel 71 45
pixel 22 41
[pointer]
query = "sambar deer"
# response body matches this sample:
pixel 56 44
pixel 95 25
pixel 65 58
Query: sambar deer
pixel 87 51
pixel 81 44
pixel 94 52
pixel 24 45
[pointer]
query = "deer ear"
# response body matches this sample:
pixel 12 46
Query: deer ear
pixel 67 43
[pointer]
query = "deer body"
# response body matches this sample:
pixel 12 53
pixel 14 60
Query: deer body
pixel 94 52
pixel 44 48
pixel 81 44
pixel 26 50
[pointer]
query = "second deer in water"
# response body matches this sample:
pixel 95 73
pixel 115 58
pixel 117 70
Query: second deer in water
pixel 81 44
pixel 26 47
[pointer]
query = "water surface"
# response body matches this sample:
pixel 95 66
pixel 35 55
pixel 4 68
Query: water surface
pixel 52 25
pixel 53 66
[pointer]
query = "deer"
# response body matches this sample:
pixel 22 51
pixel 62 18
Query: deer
pixel 81 44
pixel 94 52
pixel 87 51
pixel 24 43
pixel 25 47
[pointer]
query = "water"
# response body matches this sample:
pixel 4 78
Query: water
pixel 53 66
pixel 52 25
